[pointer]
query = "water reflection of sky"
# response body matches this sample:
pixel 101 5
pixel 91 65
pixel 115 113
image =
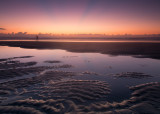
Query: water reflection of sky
pixel 103 64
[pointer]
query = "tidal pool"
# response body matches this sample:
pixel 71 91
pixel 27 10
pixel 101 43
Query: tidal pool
pixel 83 76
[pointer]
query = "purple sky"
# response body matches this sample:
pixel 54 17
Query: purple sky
pixel 80 16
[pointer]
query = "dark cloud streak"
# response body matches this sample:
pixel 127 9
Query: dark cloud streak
pixel 2 29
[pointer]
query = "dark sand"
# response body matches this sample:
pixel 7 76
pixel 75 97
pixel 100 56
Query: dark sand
pixel 132 75
pixel 135 49
pixel 52 61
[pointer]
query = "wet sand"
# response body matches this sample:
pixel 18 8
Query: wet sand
pixel 135 49
pixel 52 90
pixel 48 92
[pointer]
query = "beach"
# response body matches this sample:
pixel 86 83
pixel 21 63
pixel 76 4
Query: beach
pixel 79 77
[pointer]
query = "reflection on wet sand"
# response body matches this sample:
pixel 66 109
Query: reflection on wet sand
pixel 48 92
pixel 135 49
pixel 30 88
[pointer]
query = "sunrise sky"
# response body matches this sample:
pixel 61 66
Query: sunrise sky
pixel 80 16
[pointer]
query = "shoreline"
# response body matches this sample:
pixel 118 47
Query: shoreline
pixel 80 40
pixel 134 49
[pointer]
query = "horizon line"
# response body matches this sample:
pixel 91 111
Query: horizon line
pixel 104 34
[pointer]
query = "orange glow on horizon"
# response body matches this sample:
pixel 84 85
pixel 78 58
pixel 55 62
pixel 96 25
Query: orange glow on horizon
pixel 89 25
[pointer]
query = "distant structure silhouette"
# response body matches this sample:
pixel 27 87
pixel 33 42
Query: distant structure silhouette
pixel 37 37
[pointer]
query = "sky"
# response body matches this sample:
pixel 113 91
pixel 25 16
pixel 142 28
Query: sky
pixel 80 16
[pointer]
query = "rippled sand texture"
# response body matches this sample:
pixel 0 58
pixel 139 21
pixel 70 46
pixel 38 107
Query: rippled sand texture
pixel 145 99
pixel 137 75
pixel 15 75
pixel 29 89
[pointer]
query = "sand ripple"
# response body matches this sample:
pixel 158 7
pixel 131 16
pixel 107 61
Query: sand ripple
pixel 137 75
pixel 145 100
